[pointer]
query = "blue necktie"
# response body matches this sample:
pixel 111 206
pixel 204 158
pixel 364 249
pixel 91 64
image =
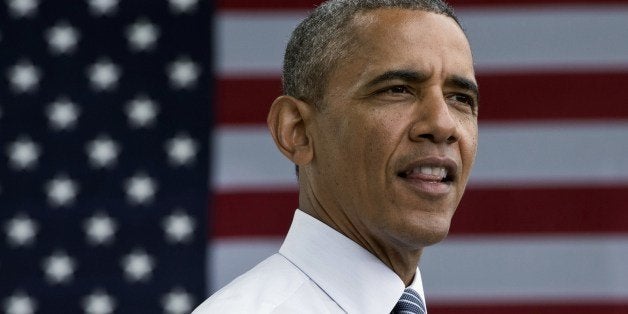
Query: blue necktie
pixel 409 303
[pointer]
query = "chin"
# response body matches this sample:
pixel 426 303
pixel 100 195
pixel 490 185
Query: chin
pixel 435 236
pixel 428 233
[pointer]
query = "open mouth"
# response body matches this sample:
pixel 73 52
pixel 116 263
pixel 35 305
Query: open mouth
pixel 436 174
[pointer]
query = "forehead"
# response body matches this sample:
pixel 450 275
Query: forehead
pixel 410 24
pixel 386 39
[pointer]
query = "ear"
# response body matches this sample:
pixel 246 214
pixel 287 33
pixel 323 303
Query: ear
pixel 287 121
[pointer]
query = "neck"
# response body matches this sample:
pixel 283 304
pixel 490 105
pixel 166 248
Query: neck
pixel 402 260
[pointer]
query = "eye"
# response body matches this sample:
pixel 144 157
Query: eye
pixel 399 89
pixel 464 99
pixel 394 90
pixel 394 94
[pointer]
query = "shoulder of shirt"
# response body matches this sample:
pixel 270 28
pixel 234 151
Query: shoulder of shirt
pixel 270 287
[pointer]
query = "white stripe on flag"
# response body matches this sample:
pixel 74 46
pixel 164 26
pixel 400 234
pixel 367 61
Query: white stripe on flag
pixel 246 157
pixel 567 268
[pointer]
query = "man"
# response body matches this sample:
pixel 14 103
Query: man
pixel 380 117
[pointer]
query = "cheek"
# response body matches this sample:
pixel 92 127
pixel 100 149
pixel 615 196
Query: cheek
pixel 367 146
pixel 344 149
pixel 381 137
pixel 469 145
pixel 363 142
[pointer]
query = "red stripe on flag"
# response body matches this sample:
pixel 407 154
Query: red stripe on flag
pixel 504 97
pixel 602 308
pixel 482 211
pixel 246 100
pixel 552 96
pixel 543 210
pixel 252 213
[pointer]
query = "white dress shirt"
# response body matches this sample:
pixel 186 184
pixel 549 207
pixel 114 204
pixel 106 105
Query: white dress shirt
pixel 317 270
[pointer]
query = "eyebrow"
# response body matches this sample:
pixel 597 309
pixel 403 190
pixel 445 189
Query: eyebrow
pixel 463 83
pixel 404 75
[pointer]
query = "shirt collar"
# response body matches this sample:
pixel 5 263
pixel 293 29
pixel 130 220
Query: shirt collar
pixel 353 277
pixel 417 285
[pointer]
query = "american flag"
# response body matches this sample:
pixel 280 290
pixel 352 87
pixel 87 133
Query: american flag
pixel 543 227
pixel 104 135
pixel 104 132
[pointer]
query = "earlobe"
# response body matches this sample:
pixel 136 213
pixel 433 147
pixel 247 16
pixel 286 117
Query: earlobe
pixel 287 121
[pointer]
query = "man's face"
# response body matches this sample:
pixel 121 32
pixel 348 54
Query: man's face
pixel 396 139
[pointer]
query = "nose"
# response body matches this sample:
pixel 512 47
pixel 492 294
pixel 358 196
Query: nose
pixel 434 121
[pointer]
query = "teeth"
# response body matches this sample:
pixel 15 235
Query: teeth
pixel 433 171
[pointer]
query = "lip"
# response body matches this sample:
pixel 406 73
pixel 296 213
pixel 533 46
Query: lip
pixel 424 184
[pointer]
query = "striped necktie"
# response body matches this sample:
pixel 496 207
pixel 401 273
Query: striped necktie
pixel 409 303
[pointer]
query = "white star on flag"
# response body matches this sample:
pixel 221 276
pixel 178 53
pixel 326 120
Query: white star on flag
pixel 140 189
pixel 62 114
pixel 21 230
pixel 181 149
pixel 103 7
pixel 100 229
pixel 23 153
pixel 61 191
pixel 24 77
pixel 182 6
pixel 141 111
pixel 19 303
pixel 23 8
pixel 183 73
pixel 62 38
pixel 104 75
pixel 177 301
pixel 99 302
pixel 142 35
pixel 178 226
pixel 102 151
pixel 137 265
pixel 59 267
